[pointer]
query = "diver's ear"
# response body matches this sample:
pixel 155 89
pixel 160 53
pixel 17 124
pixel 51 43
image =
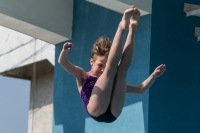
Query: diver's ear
pixel 91 61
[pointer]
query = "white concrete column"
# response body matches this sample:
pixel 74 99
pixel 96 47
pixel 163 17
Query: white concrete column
pixel 41 99
pixel 25 57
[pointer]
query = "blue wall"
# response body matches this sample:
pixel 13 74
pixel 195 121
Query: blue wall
pixel 174 100
pixel 91 21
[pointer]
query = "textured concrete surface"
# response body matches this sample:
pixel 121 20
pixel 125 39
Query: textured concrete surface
pixel 17 50
pixel 25 57
pixel 41 19
pixel 41 99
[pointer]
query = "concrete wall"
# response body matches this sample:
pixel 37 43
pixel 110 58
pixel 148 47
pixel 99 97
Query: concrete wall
pixel 121 5
pixel 174 100
pixel 17 50
pixel 41 99
pixel 25 57
pixel 90 22
pixel 40 19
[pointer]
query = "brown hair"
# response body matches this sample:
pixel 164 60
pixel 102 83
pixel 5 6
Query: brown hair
pixel 101 47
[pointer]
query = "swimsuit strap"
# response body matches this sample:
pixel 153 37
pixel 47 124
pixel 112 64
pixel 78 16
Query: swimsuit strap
pixel 91 75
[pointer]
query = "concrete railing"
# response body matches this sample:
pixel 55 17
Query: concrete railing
pixel 193 10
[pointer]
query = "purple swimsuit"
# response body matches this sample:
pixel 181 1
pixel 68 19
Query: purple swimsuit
pixel 86 92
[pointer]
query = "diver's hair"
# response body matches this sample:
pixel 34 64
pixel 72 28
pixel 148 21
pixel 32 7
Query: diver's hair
pixel 101 47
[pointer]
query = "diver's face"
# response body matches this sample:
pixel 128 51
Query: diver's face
pixel 98 64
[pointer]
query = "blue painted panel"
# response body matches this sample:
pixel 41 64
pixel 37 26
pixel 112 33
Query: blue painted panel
pixel 91 21
pixel 174 100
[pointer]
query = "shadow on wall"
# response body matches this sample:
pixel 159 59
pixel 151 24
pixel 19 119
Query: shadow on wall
pixel 89 22
pixel 175 107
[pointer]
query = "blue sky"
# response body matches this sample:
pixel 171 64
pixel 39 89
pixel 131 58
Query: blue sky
pixel 14 102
